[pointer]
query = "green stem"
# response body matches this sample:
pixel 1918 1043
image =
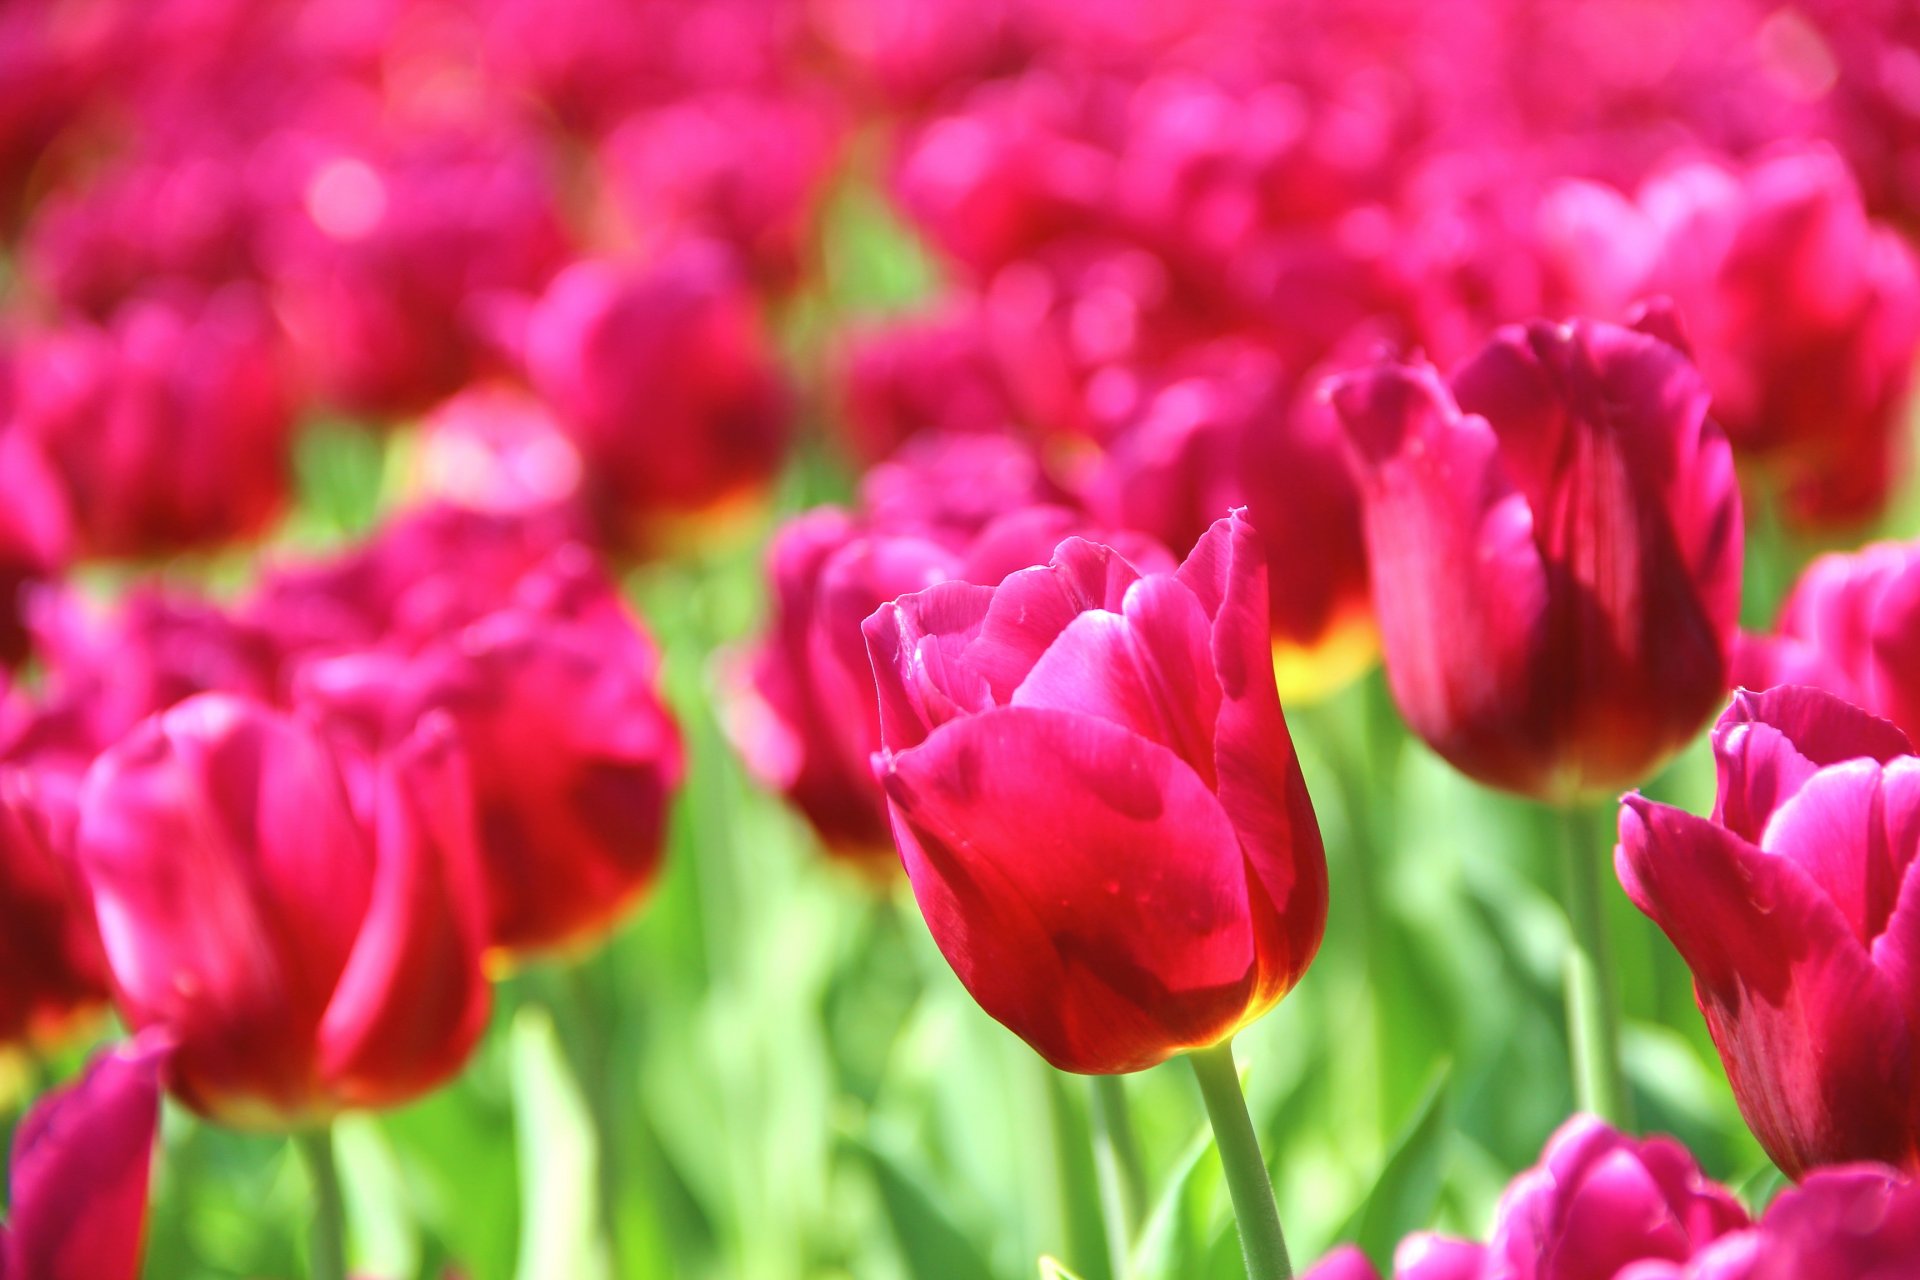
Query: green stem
pixel 1123 1177
pixel 1593 1000
pixel 329 1237
pixel 1261 1243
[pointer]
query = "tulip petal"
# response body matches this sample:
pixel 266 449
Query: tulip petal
pixel 1259 780
pixel 81 1162
pixel 1146 669
pixel 1852 828
pixel 1819 1053
pixel 1344 1263
pixel 1033 606
pixel 413 999
pixel 1082 881
pixel 914 645
pixel 1426 1256
pixel 1768 744
pixel 1459 586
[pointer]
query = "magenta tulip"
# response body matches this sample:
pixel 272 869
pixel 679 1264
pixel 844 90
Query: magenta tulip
pixel 665 380
pixel 1099 808
pixel 51 967
pixel 1861 1222
pixel 303 922
pixel 1798 909
pixel 555 699
pixel 81 1162
pixel 1851 627
pixel 1555 543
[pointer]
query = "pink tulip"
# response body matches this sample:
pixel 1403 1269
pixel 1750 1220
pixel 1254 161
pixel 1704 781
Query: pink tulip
pixel 1860 1222
pixel 1851 627
pixel 303 922
pixel 1796 907
pixel 170 429
pixel 554 696
pixel 666 383
pixel 1555 543
pixel 1089 768
pixel 81 1161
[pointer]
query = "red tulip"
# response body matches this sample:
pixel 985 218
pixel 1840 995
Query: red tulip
pixel 1798 909
pixel 1098 805
pixel 927 374
pixel 304 923
pixel 170 429
pixel 81 1161
pixel 555 698
pixel 1555 545
pixel 666 383
pixel 1851 627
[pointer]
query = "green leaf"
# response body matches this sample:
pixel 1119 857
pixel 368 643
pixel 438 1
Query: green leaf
pixel 933 1246
pixel 1407 1190
pixel 558 1160
pixel 1053 1269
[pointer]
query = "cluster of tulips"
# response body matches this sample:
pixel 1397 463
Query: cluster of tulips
pixel 1243 343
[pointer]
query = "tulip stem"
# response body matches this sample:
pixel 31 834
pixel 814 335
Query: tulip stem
pixel 329 1237
pixel 1593 998
pixel 1123 1178
pixel 1262 1245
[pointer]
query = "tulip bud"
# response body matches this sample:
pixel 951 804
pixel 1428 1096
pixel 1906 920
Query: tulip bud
pixel 303 922
pixel 81 1162
pixel 1555 547
pixel 1851 627
pixel 1798 909
pixel 666 384
pixel 1099 808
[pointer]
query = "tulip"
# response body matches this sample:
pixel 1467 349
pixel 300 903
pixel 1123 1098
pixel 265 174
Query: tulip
pixel 1555 545
pixel 1805 319
pixel 169 429
pixel 927 374
pixel 1851 627
pixel 304 923
pixel 1090 768
pixel 666 384
pixel 81 1161
pixel 555 698
pixel 1796 907
pixel 496 449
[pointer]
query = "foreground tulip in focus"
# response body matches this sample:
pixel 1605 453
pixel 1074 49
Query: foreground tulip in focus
pixel 303 922
pixel 1555 537
pixel 1099 807
pixel 1797 906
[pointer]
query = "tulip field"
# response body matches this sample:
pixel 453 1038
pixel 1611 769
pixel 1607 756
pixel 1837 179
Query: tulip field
pixel 959 640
